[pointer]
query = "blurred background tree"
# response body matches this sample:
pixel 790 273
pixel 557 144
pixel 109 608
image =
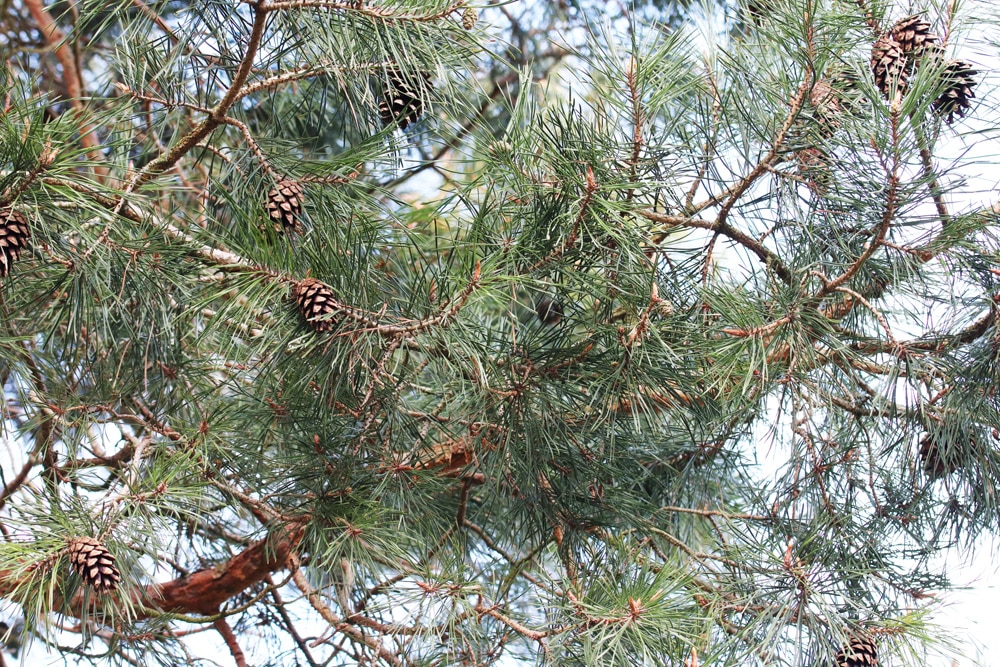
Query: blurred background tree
pixel 427 332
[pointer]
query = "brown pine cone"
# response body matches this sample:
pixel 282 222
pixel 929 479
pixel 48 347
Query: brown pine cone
pixel 94 563
pixel 315 299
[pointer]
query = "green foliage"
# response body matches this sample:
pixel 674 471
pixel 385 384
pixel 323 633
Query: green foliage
pixel 767 404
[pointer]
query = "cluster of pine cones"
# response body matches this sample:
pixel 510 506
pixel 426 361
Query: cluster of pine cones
pixel 896 54
pixel 404 97
pixel 402 105
pixel 315 300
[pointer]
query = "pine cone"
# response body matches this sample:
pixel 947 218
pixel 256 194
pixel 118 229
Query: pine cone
pixel 469 18
pixel 315 299
pixel 822 96
pixel 859 652
pixel 937 456
pixel 94 563
pixel 757 9
pixel 889 64
pixel 847 90
pixel 14 235
pixel 284 205
pixel 549 311
pixel 403 98
pixel 914 36
pixel 664 308
pixel 823 99
pixel 814 167
pixel 959 78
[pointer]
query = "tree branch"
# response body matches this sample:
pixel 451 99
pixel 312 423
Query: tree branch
pixel 335 621
pixel 201 592
pixel 769 258
pixel 56 39
pixel 234 646
pixel 194 137
pixel 358 8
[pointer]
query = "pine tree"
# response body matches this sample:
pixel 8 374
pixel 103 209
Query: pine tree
pixel 631 349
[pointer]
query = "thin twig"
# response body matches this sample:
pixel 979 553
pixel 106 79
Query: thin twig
pixel 888 213
pixel 337 623
pixel 234 646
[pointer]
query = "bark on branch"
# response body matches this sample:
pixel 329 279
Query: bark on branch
pixel 204 591
pixel 201 592
pixel 56 39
